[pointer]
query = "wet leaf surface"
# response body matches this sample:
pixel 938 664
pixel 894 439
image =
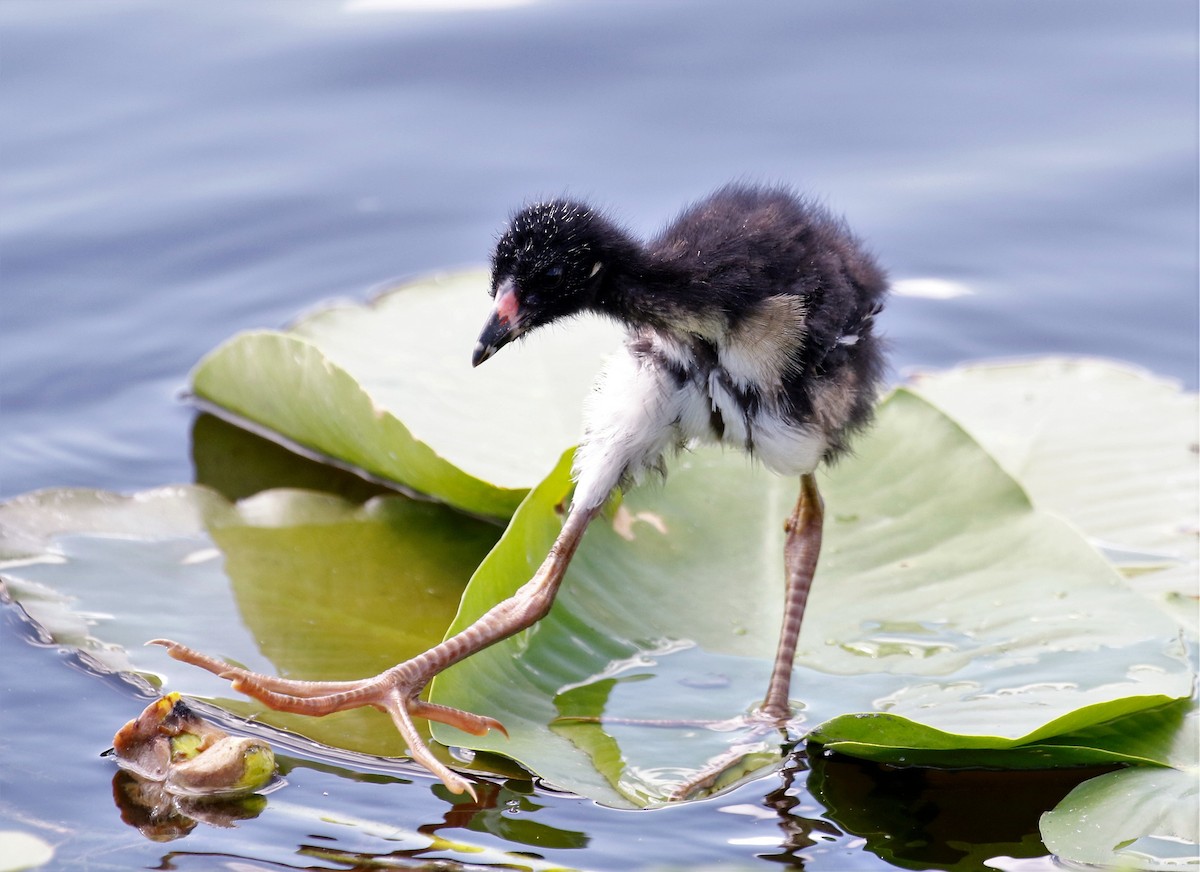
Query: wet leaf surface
pixel 1111 448
pixel 948 616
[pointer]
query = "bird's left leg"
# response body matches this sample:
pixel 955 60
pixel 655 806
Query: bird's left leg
pixel 395 690
pixel 801 550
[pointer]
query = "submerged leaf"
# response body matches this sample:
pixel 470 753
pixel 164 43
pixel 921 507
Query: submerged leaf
pixel 285 582
pixel 388 389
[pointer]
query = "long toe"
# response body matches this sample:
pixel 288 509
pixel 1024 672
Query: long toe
pixel 282 694
pixel 394 691
pixel 476 725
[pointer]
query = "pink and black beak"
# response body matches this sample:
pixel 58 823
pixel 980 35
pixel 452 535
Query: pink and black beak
pixel 503 325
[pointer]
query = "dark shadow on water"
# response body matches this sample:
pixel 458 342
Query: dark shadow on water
pixel 919 818
pixel 238 464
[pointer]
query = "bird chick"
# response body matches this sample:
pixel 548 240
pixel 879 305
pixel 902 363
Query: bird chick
pixel 750 322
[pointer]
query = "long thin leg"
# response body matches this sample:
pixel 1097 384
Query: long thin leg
pixel 395 690
pixel 800 553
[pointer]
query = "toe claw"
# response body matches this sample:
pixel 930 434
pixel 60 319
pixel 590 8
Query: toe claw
pixel 401 711
pixel 468 722
pixel 496 725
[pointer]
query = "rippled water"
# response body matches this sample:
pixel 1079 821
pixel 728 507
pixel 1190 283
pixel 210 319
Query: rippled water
pixel 171 174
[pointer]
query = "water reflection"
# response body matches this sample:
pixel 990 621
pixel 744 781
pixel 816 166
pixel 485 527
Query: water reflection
pixel 163 816
pixel 933 818
pixel 505 810
pixel 818 811
pixel 238 464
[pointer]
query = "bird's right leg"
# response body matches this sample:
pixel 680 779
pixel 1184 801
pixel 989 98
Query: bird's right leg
pixel 801 550
pixel 395 690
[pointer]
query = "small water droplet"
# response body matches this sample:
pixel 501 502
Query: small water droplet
pixel 710 681
pixel 201 555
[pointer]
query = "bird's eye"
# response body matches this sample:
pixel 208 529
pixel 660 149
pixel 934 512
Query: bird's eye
pixel 553 276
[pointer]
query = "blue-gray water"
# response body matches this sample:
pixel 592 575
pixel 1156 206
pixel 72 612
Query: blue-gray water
pixel 173 173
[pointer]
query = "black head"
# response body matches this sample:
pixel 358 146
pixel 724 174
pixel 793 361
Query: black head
pixel 549 264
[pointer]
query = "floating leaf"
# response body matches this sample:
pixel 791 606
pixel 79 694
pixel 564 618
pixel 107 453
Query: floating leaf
pixel 20 850
pixel 388 389
pixel 286 582
pixel 1114 449
pixel 948 615
pixel 1106 445
pixel 1141 818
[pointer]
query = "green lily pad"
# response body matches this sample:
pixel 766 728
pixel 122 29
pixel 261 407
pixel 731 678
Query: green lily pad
pixel 287 582
pixel 1114 449
pixel 949 615
pixel 388 389
pixel 1106 445
pixel 1134 819
pixel 1140 818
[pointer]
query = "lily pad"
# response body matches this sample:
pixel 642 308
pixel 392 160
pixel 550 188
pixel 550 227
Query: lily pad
pixel 1140 818
pixel 20 850
pixel 388 389
pixel 1114 449
pixel 1111 447
pixel 949 615
pixel 288 582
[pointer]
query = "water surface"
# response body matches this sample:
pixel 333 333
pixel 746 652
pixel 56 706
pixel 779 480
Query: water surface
pixel 171 174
